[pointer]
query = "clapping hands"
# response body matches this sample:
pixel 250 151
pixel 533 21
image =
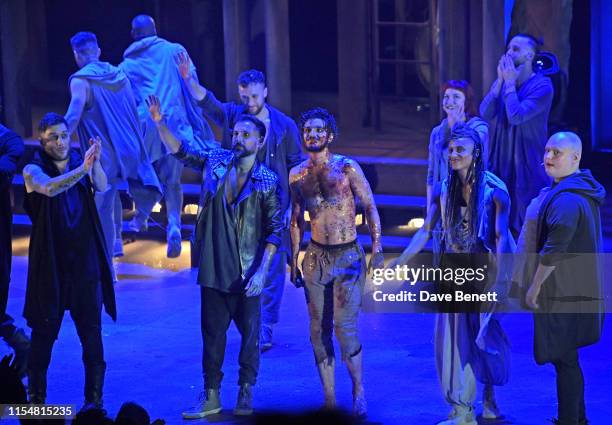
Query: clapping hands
pixel 93 154
pixel 506 71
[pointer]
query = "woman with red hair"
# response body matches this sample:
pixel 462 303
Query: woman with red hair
pixel 460 109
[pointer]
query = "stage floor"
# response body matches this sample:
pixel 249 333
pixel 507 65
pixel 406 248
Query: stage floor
pixel 153 355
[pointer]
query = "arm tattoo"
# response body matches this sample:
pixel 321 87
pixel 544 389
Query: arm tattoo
pixel 39 182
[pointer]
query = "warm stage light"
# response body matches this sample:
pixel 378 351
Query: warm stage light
pixel 191 209
pixel 416 223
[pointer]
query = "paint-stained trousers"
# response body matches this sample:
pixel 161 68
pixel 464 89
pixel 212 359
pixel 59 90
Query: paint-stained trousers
pixel 334 277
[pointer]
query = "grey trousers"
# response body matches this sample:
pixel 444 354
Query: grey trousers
pixel 334 278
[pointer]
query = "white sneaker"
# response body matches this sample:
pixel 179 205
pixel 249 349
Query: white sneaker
pixel 460 416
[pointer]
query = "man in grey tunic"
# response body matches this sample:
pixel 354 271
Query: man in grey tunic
pixel 149 63
pixel 103 105
pixel 517 109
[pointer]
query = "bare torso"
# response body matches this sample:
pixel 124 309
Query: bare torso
pixel 328 196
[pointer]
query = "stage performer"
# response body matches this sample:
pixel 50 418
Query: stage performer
pixel 566 288
pixel 459 105
pixel 149 63
pixel 11 149
pixel 68 266
pixel 517 108
pixel 326 186
pixel 473 206
pixel 281 152
pixel 238 230
pixel 102 105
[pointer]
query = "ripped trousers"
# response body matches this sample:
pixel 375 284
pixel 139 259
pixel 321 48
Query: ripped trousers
pixel 334 278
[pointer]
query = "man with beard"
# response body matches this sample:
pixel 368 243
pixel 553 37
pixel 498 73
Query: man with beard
pixel 326 186
pixel 470 345
pixel 566 288
pixel 238 230
pixel 68 266
pixel 149 64
pixel 11 149
pixel 102 105
pixel 280 152
pixel 517 109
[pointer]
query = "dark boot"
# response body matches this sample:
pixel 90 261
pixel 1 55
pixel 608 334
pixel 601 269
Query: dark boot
pixel 20 343
pixel 37 386
pixel 94 380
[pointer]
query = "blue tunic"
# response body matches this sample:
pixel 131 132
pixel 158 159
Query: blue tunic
pixel 110 113
pixel 150 65
pixel 518 121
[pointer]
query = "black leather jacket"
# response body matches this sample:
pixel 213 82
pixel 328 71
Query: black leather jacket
pixel 258 210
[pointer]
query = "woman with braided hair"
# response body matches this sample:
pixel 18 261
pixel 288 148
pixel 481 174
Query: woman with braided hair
pixel 459 107
pixel 473 206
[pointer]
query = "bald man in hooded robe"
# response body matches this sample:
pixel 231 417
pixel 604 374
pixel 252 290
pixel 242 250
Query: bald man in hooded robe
pixel 149 63
pixel 566 289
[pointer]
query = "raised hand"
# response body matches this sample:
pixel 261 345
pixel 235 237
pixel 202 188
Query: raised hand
pixel 509 71
pixel 90 158
pixel 455 115
pixel 184 64
pixel 96 142
pixel 154 106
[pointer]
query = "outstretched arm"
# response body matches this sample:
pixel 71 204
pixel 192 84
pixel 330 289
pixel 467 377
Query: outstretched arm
pixel 154 105
pixel 361 189
pixel 78 93
pixel 420 238
pixel 296 228
pixel 37 181
pixel 220 113
pixel 196 90
pixel 192 156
